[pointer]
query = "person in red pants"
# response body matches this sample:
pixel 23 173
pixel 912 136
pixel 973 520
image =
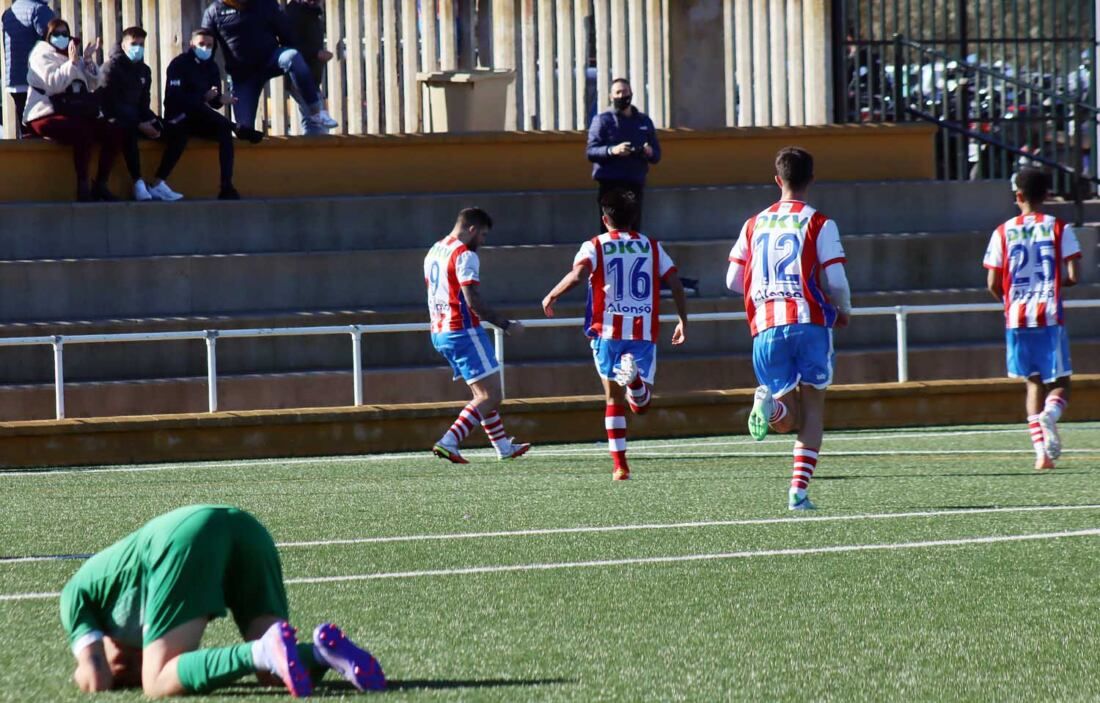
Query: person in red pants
pixel 61 106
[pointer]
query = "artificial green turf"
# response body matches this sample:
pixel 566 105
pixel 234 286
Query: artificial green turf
pixel 1003 621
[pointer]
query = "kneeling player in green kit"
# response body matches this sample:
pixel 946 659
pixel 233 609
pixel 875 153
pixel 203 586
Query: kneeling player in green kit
pixel 135 613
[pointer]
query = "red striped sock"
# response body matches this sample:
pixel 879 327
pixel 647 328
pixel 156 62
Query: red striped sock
pixel 615 422
pixel 494 428
pixel 1055 406
pixel 805 461
pixel 779 411
pixel 1036 431
pixel 465 423
pixel 638 395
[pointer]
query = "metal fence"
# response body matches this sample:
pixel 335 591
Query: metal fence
pixel 1009 70
pixel 900 314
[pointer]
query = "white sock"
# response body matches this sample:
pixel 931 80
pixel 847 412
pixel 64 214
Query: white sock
pixel 259 656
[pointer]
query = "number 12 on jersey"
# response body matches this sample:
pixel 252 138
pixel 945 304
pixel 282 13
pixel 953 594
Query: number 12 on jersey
pixel 783 252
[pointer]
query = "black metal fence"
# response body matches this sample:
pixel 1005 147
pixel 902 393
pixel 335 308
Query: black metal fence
pixel 1010 81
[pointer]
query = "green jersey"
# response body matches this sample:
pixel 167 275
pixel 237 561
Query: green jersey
pixel 193 562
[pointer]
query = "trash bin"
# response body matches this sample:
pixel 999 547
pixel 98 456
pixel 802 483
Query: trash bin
pixel 468 101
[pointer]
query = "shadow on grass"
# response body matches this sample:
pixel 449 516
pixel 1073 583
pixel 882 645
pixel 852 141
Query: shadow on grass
pixel 342 688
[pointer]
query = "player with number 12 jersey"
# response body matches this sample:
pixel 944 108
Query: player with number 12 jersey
pixel 1025 258
pixel 624 270
pixel 779 262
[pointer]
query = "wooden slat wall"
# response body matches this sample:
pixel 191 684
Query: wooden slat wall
pixel 381 46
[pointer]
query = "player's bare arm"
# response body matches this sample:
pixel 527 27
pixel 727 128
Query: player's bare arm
pixel 92 673
pixel 511 328
pixel 993 283
pixel 672 280
pixel 574 278
pixel 1073 273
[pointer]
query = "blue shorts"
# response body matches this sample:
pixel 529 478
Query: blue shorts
pixel 469 352
pixel 608 352
pixel 788 355
pixel 1038 351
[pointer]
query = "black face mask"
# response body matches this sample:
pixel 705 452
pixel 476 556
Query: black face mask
pixel 621 104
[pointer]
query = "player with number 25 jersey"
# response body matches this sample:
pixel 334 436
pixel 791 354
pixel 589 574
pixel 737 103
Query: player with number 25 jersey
pixel 624 270
pixel 780 262
pixel 1025 258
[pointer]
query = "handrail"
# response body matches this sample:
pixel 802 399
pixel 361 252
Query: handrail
pixel 210 337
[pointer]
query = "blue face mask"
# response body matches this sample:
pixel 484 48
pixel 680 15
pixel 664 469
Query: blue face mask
pixel 202 53
pixel 60 41
pixel 135 52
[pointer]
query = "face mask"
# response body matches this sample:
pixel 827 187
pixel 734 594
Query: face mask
pixel 135 52
pixel 60 41
pixel 621 103
pixel 202 53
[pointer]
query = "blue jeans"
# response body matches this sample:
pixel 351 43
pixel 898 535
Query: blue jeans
pixel 285 61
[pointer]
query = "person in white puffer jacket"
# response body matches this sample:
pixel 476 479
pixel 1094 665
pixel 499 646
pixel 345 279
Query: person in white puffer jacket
pixel 62 107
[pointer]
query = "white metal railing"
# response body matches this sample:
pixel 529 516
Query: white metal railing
pixel 900 313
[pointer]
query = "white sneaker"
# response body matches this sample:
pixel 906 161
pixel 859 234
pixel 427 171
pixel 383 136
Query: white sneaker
pixel 627 371
pixel 762 406
pixel 324 119
pixel 141 191
pixel 1052 441
pixel 161 191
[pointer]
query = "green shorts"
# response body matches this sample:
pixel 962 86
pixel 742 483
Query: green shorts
pixel 213 559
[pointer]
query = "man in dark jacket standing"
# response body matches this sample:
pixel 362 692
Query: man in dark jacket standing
pixel 192 98
pixel 125 100
pixel 259 45
pixel 24 24
pixel 622 143
pixel 308 23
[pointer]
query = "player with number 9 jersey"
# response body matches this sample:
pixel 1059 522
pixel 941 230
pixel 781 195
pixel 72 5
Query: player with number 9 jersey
pixel 624 270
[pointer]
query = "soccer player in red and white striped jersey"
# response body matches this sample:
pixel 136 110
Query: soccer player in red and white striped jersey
pixel 624 270
pixel 452 273
pixel 778 263
pixel 1025 259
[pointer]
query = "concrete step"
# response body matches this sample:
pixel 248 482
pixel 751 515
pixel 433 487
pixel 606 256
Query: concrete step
pixel 678 373
pixel 50 289
pixel 104 362
pixel 63 230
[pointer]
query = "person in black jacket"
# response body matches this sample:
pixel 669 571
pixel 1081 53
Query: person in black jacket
pixel 259 45
pixel 308 21
pixel 192 98
pixel 124 98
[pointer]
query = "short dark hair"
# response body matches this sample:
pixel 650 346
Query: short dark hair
pixel 52 26
pixel 134 32
pixel 202 32
pixel 795 166
pixel 474 217
pixel 1032 183
pixel 620 206
pixel 619 80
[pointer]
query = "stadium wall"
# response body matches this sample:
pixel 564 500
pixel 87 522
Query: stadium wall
pixel 36 171
pixel 374 429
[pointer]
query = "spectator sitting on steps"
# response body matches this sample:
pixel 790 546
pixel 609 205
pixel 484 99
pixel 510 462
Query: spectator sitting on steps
pixel 62 106
pixel 125 99
pixel 192 98
pixel 259 45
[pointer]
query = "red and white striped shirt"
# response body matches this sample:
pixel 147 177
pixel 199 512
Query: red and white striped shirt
pixel 624 286
pixel 448 266
pixel 784 249
pixel 1028 250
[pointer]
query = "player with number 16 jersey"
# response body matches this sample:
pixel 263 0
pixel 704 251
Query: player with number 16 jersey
pixel 624 270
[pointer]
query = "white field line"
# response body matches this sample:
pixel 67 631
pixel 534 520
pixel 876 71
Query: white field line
pixel 630 528
pixel 597 448
pixel 718 556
